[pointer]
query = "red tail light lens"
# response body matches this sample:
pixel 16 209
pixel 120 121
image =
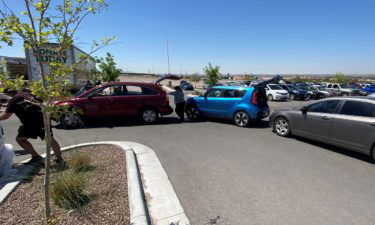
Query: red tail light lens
pixel 254 97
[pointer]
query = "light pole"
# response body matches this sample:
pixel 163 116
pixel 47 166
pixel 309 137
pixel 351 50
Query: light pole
pixel 169 69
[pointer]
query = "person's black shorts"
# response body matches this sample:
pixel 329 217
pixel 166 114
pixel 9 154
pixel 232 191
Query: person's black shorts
pixel 32 132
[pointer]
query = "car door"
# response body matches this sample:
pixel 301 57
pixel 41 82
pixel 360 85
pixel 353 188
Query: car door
pixel 209 104
pixel 354 125
pixel 229 99
pixel 99 102
pixel 128 101
pixel 315 120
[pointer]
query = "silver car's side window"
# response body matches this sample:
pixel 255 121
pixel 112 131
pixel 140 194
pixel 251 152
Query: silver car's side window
pixel 358 108
pixel 324 106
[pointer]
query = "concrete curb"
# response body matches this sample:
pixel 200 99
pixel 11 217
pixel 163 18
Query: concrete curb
pixel 148 186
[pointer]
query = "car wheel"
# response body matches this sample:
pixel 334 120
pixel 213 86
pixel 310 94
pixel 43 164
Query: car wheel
pixel 71 120
pixel 345 94
pixel 281 127
pixel 192 113
pixel 292 97
pixel 308 97
pixel 373 153
pixel 149 116
pixel 270 98
pixel 241 119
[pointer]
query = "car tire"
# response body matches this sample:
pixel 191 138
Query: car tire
pixel 373 153
pixel 292 97
pixel 70 120
pixel 270 98
pixel 282 127
pixel 241 119
pixel 192 113
pixel 345 94
pixel 149 115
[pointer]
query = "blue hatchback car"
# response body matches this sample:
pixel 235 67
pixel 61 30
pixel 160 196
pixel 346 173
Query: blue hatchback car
pixel 243 105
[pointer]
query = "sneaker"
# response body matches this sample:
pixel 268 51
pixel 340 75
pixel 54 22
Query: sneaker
pixel 60 164
pixel 36 161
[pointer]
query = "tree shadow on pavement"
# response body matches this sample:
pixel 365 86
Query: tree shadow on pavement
pixel 263 124
pixel 122 122
pixel 349 153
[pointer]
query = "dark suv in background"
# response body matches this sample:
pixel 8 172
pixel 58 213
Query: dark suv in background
pixel 295 92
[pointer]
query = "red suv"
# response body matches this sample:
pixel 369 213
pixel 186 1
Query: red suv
pixel 124 99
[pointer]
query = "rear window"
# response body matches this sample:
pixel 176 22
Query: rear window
pixel 133 90
pixel 149 91
pixel 358 108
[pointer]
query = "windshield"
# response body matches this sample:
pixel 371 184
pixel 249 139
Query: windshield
pixel 291 87
pixel 321 88
pixel 344 86
pixel 274 87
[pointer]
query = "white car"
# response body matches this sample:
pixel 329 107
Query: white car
pixel 6 155
pixel 275 92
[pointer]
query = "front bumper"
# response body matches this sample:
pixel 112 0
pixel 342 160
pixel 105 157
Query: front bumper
pixel 281 97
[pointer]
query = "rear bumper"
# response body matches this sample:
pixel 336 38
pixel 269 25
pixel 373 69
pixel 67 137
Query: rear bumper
pixel 281 97
pixel 263 113
pixel 166 111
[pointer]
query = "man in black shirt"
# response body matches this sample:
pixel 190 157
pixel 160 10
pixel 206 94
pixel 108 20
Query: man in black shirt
pixel 31 117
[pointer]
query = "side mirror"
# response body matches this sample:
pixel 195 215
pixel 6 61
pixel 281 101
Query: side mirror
pixel 304 109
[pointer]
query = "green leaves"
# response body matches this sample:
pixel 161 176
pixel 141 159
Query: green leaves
pixel 108 69
pixel 212 73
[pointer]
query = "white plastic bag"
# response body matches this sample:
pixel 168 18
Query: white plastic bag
pixel 6 154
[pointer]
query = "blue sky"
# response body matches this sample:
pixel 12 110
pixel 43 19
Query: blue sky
pixel 253 36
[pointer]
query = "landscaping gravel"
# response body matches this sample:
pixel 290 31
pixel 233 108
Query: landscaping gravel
pixel 107 186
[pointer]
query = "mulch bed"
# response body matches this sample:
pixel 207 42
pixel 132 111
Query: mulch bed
pixel 107 187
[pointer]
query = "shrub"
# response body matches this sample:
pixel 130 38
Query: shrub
pixel 80 162
pixel 68 190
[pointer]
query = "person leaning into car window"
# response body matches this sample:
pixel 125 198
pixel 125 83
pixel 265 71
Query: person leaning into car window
pixel 179 101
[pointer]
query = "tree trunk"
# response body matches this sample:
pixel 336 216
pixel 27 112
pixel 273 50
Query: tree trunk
pixel 47 127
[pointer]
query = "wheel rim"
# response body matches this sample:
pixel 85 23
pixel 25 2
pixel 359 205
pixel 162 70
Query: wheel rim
pixel 282 127
pixel 241 119
pixel 270 97
pixel 149 116
pixel 192 113
pixel 71 120
pixel 292 97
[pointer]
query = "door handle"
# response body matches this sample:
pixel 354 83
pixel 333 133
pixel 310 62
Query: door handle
pixel 326 118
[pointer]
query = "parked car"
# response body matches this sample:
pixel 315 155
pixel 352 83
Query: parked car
pixel 295 92
pixel 369 88
pixel 345 122
pixel 275 92
pixel 322 89
pixel 342 90
pixel 313 93
pixel 118 99
pixel 243 105
pixel 186 86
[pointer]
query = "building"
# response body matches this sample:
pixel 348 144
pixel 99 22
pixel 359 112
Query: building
pixel 14 66
pixel 49 53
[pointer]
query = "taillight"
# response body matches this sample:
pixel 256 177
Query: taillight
pixel 254 98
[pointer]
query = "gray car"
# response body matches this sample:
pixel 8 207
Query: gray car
pixel 347 122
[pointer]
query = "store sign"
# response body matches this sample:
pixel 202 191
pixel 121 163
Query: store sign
pixel 48 55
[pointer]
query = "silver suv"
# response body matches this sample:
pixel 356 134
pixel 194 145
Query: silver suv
pixel 345 122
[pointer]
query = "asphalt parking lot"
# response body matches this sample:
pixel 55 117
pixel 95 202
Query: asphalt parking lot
pixel 224 174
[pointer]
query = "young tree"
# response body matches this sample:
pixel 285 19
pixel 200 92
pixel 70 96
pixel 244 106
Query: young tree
pixel 42 22
pixel 195 78
pixel 340 78
pixel 212 74
pixel 108 70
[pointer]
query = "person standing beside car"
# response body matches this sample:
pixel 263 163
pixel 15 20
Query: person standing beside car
pixel 179 101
